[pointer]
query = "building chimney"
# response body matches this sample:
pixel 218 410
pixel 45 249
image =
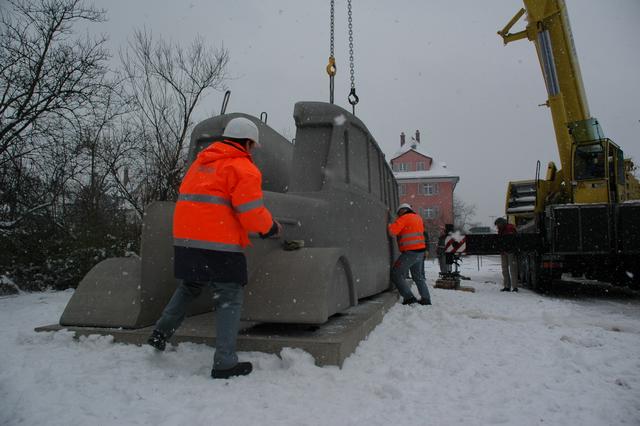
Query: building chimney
pixel 401 139
pixel 418 136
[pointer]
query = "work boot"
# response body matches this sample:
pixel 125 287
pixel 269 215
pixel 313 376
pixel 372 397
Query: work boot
pixel 515 289
pixel 506 289
pixel 240 369
pixel 424 302
pixel 410 301
pixel 157 340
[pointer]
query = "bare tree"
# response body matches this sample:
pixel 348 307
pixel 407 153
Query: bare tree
pixel 45 71
pixel 78 148
pixel 103 142
pixel 49 79
pixel 463 213
pixel 165 82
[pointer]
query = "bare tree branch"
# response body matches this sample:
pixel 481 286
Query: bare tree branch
pixel 166 83
pixel 45 70
pixel 463 213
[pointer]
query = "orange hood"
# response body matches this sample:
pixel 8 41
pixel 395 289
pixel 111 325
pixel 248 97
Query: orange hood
pixel 223 149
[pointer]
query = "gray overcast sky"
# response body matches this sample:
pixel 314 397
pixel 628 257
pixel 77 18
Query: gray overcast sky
pixel 437 66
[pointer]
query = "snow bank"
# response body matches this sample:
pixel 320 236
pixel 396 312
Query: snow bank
pixel 472 358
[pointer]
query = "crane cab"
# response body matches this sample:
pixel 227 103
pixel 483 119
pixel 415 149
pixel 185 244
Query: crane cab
pixel 598 172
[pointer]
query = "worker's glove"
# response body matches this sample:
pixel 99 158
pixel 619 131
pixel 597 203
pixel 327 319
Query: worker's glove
pixel 275 231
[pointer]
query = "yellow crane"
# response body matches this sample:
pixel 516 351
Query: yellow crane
pixel 593 168
pixel 579 218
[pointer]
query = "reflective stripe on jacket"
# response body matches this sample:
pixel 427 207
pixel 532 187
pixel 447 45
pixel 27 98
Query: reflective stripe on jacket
pixel 409 230
pixel 220 200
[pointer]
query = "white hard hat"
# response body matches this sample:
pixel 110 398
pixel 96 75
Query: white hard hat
pixel 404 206
pixel 241 128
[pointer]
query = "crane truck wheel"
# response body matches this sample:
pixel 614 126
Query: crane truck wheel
pixel 540 280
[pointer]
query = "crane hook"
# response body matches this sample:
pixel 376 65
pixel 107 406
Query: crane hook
pixel 353 99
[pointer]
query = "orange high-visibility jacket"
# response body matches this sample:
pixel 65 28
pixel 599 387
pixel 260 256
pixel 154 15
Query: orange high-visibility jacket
pixel 220 200
pixel 409 229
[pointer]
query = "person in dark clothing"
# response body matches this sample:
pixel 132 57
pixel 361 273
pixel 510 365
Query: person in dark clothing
pixel 219 203
pixel 508 260
pixel 442 255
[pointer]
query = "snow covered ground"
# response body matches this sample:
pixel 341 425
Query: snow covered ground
pixel 470 359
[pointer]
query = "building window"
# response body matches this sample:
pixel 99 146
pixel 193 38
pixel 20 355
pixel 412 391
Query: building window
pixel 402 190
pixel 400 167
pixel 420 165
pixel 430 212
pixel 430 189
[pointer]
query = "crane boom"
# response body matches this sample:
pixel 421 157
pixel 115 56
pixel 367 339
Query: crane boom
pixel 582 219
pixel 593 167
pixel 549 29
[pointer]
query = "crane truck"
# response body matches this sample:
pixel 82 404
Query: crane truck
pixel 583 218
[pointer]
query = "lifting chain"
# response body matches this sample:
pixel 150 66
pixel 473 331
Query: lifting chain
pixel 353 98
pixel 331 66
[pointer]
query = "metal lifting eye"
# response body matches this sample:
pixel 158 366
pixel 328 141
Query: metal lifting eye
pixel 353 98
pixel 331 66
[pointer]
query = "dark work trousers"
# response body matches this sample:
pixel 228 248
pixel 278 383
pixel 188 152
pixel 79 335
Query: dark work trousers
pixel 509 264
pixel 228 298
pixel 410 261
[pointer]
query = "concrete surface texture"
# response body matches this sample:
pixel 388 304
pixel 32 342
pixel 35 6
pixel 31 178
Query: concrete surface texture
pixel 332 190
pixel 329 344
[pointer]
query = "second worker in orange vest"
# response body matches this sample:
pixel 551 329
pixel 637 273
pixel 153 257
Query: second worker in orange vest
pixel 408 228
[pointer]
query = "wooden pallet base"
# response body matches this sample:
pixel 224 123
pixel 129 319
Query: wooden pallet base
pixel 452 284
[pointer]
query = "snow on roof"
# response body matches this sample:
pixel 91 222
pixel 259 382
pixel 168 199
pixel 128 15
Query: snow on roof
pixel 438 170
pixel 406 148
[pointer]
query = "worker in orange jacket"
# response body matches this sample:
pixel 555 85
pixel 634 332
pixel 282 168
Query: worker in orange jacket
pixel 408 228
pixel 219 203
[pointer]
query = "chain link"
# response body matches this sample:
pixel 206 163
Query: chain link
pixel 352 98
pixel 331 66
pixel 351 71
pixel 332 28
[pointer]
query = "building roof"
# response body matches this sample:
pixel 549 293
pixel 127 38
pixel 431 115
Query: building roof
pixel 437 169
pixel 406 148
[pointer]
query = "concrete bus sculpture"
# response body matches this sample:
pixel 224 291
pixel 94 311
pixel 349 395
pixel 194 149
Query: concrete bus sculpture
pixel 332 189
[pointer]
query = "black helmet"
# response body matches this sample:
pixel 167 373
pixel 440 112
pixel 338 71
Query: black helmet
pixel 501 221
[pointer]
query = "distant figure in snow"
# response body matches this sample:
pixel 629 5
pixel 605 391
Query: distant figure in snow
pixel 442 255
pixel 408 228
pixel 220 202
pixel 508 260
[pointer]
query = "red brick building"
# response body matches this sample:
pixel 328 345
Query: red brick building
pixel 424 183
